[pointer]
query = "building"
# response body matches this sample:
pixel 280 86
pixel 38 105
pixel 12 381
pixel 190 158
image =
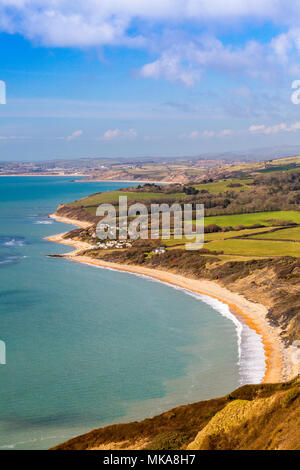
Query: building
pixel 160 250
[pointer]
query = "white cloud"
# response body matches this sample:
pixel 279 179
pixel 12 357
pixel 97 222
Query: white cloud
pixel 282 127
pixel 259 128
pixel 186 61
pixel 170 68
pixel 65 23
pixel 113 134
pixel 207 133
pixel 295 127
pixel 193 135
pixel 74 135
pixel 181 56
pixel 13 137
pixel 226 132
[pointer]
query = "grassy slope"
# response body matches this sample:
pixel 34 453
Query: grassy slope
pixel 253 417
pixel 255 247
pixel 253 218
pixel 286 234
pixel 220 241
pixel 113 196
pixel 224 185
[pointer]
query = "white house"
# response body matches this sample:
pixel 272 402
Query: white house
pixel 160 250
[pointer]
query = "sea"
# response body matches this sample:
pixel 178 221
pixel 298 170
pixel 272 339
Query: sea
pixel 86 346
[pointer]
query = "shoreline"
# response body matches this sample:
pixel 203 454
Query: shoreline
pixel 129 181
pixel 96 180
pixel 248 312
pixel 59 176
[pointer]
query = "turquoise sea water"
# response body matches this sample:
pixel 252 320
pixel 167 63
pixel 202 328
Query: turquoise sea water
pixel 88 346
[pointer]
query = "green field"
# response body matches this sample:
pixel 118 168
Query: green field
pixel 286 234
pixel 113 196
pixel 255 247
pixel 286 160
pixel 258 245
pixel 252 218
pixel 223 185
pixel 247 247
pixel 194 172
pixel 274 168
pixel 220 236
pixel 221 241
pixel 235 233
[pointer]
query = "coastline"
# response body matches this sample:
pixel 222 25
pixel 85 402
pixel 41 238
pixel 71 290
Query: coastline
pixel 96 180
pixel 43 174
pixel 248 312
pixel 129 181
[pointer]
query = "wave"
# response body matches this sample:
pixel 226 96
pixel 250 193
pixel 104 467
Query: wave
pixel 252 358
pixel 10 259
pixel 34 440
pixel 7 241
pixel 44 222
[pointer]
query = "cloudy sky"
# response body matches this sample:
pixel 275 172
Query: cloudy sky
pixel 121 78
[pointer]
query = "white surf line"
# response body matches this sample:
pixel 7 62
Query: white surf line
pixel 252 357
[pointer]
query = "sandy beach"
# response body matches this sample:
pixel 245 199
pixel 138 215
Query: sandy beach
pixel 127 181
pixel 76 175
pixel 251 313
pixel 66 220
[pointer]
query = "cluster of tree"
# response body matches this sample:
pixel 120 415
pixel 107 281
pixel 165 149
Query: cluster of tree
pixel 234 185
pixel 190 190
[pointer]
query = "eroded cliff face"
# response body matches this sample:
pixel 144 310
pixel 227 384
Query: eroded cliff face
pixel 76 213
pixel 264 417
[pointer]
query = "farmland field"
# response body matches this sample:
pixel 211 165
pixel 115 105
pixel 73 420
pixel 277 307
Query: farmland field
pixel 221 242
pixel 223 185
pixel 264 218
pixel 220 235
pixel 285 234
pixel 111 197
pixel 255 247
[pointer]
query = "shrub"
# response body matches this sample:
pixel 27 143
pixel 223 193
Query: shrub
pixel 212 228
pixel 168 441
pixel 290 396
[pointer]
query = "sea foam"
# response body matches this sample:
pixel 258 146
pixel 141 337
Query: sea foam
pixel 43 222
pixel 252 359
pixel 7 241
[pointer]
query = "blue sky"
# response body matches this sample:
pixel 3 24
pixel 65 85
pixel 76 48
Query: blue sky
pixel 129 78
